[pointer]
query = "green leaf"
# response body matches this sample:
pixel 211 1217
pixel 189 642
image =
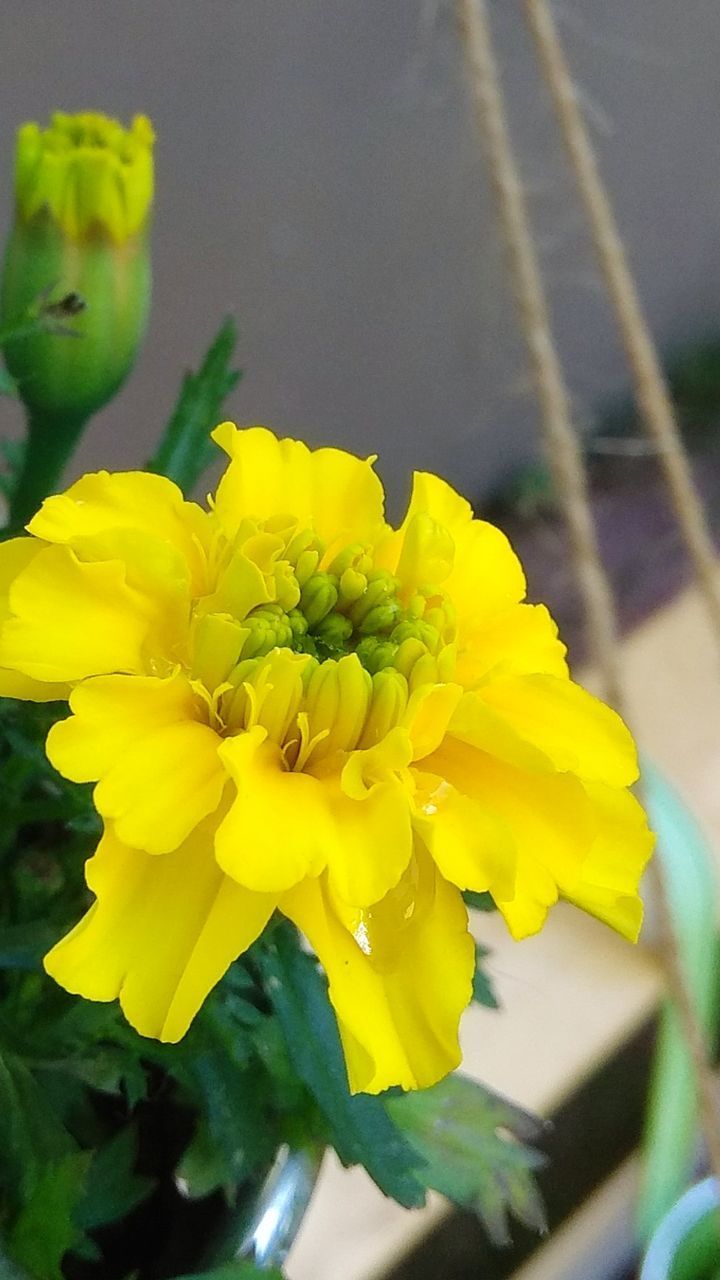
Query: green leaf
pixel 359 1127
pixel 113 1187
pixel 45 1229
pixel 235 1271
pixel 23 946
pixel 185 449
pixel 472 1142
pixel 31 1135
pixel 483 991
pixel 238 1132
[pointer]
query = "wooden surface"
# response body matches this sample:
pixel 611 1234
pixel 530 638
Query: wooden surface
pixel 571 994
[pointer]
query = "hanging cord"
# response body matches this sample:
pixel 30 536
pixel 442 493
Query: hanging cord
pixel 651 390
pixel 568 467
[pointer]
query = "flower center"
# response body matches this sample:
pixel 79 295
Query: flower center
pixel 320 648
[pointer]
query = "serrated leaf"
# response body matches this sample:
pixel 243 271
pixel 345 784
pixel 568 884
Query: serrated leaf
pixel 359 1127
pixel 473 1144
pixel 113 1187
pixel 483 992
pixel 185 450
pixel 45 1228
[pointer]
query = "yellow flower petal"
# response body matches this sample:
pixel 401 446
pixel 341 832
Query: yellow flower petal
pixel 549 817
pixel 135 501
pixel 576 731
pixel 607 882
pixel 277 829
pixel 158 768
pixel 160 936
pixel 485 576
pixel 372 842
pixel 333 492
pixel 521 640
pixel 71 620
pixel 15 555
pixel 400 976
pixel 471 846
pixel 428 714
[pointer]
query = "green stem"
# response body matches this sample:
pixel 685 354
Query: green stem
pixel 50 443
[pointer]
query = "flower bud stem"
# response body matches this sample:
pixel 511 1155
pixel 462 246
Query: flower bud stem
pixel 50 443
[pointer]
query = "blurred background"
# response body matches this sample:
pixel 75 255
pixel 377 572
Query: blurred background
pixel 319 177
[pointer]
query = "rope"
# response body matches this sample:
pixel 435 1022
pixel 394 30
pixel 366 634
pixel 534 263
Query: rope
pixel 568 467
pixel 652 395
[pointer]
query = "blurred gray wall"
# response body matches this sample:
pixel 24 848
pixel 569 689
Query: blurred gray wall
pixel 318 174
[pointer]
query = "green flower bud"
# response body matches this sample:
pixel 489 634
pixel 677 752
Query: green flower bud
pixel 298 624
pixel 319 597
pixel 83 194
pixel 269 629
pixel 376 653
pixel 417 629
pixel 382 618
pixel 382 586
pixel 352 585
pixel 334 631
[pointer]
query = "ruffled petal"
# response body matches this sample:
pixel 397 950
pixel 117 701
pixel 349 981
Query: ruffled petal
pixel 132 502
pixel 329 490
pixel 607 882
pixel 400 976
pixel 15 556
pixel 573 729
pixel 428 714
pixel 372 842
pixel 472 847
pixel 278 828
pixel 70 620
pixel 483 575
pixel 521 640
pixel 161 934
pixel 158 768
pixel 549 817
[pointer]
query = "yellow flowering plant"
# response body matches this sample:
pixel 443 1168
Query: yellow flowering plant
pixel 287 705
pixel 297 746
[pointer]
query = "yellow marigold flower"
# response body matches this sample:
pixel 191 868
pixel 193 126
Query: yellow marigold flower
pixel 287 704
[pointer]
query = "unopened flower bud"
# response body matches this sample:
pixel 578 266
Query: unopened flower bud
pixel 334 631
pixel 83 194
pixel 381 618
pixel 319 597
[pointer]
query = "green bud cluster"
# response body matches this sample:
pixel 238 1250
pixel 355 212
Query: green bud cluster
pixel 350 607
pixel 269 628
